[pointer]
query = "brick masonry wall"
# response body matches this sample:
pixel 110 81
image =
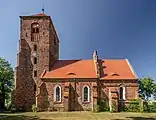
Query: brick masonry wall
pixel 75 103
pixel 24 95
pixel 71 95
pixel 131 90
pixel 26 85
pixel 131 87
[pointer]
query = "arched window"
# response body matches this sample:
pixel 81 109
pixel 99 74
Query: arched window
pixel 35 28
pixel 34 32
pixel 122 93
pixel 57 94
pixel 86 92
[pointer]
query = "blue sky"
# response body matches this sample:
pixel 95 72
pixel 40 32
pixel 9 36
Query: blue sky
pixel 116 28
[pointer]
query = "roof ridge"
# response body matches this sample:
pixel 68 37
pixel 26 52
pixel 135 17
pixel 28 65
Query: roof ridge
pixel 40 14
pixel 73 59
pixel 89 59
pixel 113 59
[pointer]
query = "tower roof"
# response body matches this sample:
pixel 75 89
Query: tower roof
pixel 36 15
pixel 39 14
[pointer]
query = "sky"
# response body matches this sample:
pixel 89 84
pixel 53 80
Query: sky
pixel 117 29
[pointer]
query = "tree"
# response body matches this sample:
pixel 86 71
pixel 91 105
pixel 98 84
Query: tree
pixel 6 82
pixel 154 94
pixel 146 88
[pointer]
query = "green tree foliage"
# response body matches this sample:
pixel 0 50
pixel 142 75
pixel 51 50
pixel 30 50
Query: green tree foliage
pixel 6 82
pixel 154 93
pixel 146 88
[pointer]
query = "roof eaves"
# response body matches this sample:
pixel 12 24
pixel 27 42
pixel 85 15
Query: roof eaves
pixel 118 79
pixel 43 73
pixel 34 16
pixel 68 78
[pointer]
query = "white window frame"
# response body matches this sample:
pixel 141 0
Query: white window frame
pixel 88 93
pixel 123 87
pixel 55 93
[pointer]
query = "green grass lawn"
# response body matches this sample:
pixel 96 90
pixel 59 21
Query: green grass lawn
pixel 78 116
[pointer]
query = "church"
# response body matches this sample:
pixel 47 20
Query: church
pixel 41 78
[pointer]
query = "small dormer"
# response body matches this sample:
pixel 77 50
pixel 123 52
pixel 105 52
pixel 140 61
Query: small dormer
pixel 114 74
pixel 71 73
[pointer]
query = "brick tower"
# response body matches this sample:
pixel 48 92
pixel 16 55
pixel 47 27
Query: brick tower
pixel 38 50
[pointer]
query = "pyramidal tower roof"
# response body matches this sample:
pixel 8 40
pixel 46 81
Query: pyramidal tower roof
pixel 39 14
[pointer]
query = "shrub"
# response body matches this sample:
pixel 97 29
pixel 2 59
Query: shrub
pixel 8 106
pixel 125 109
pixel 113 109
pixel 13 108
pixel 133 106
pixel 97 108
pixel 104 105
pixel 149 107
pixel 34 108
pixel 146 107
pixel 153 107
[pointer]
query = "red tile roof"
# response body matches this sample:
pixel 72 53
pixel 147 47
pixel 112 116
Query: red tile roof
pixel 40 14
pixel 36 15
pixel 110 69
pixel 72 69
pixel 117 69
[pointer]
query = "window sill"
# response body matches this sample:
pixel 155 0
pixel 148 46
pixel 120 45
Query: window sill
pixel 85 102
pixel 57 102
